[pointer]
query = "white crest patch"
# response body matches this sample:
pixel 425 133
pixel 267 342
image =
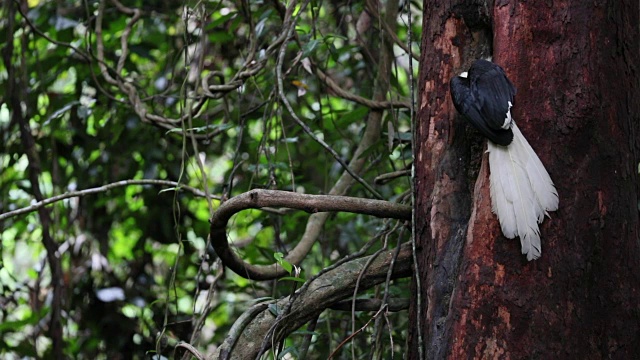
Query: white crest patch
pixel 507 120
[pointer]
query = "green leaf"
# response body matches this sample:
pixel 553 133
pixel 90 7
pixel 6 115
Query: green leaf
pixel 274 309
pixel 354 115
pixel 335 36
pixel 221 20
pixel 199 129
pixel 290 140
pixel 306 332
pixel 289 350
pixel 18 325
pixel 261 299
pixel 220 37
pixel 284 263
pixel 278 256
pixel 175 188
pixel 403 136
pixel 310 48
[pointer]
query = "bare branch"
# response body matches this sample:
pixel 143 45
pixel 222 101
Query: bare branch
pixel 353 334
pixel 385 178
pixel 100 46
pixel 76 51
pixel 237 329
pixel 208 306
pixel 99 189
pixel 190 349
pixel 371 104
pixel 290 21
pixel 333 153
pixel 372 9
pixel 372 305
pixel 256 199
pixel 16 95
pixel 370 136
pixel 322 292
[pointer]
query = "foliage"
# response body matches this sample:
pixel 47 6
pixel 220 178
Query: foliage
pixel 136 272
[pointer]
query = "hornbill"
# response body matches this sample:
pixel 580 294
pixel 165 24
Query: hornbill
pixel 522 191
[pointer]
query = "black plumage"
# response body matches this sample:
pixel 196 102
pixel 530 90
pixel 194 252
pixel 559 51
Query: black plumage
pixel 485 97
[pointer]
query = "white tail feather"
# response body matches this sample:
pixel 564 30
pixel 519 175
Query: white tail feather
pixel 522 192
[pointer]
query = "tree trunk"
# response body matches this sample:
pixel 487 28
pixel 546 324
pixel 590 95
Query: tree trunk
pixel 576 67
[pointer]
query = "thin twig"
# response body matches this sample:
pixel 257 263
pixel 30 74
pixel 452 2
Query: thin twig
pixel 392 33
pixel 385 178
pixel 206 310
pixel 190 349
pixel 385 296
pixel 32 26
pixel 304 126
pixel 392 304
pixel 16 95
pixel 99 189
pixel 194 143
pixel 350 257
pixel 326 290
pixel 357 287
pixel 353 334
pixel 238 327
pixel 414 254
pixel 371 104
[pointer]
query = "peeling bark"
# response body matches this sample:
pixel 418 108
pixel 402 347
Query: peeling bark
pixel 575 65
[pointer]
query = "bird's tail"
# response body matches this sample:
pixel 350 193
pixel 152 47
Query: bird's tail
pixel 522 192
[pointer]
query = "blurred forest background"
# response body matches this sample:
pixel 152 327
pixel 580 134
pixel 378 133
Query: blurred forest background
pixel 150 114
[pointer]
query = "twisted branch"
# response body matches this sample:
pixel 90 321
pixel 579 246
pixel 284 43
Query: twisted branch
pixel 256 199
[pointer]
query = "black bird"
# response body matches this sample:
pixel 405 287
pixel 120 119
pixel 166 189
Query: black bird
pixel 522 191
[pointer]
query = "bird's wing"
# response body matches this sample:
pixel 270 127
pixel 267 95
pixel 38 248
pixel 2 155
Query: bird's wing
pixel 494 93
pixel 465 102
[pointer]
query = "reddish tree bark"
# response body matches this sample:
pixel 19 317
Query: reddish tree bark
pixel 575 65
